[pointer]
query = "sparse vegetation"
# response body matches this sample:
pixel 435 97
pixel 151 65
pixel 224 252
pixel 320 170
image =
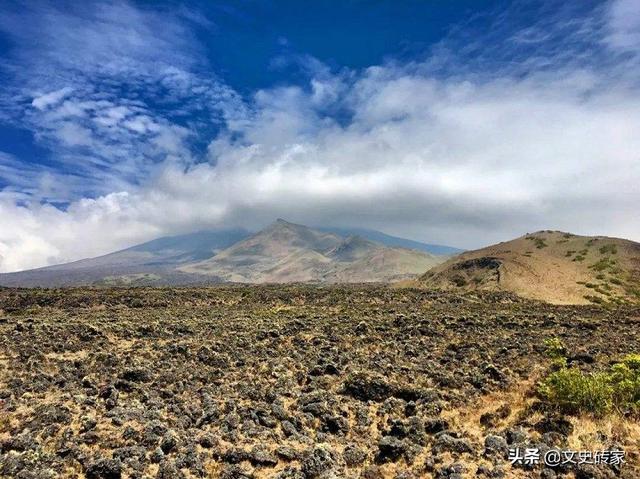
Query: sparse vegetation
pixel 554 348
pixel 258 380
pixel 538 242
pixel 608 249
pixel 582 254
pixel 594 299
pixel 603 264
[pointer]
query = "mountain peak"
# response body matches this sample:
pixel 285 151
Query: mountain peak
pixel 283 224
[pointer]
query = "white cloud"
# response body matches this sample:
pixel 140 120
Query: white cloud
pixel 459 157
pixel 624 25
pixel 461 163
pixel 108 78
pixel 74 135
pixel 42 102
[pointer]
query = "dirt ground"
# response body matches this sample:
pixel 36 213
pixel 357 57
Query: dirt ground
pixel 296 382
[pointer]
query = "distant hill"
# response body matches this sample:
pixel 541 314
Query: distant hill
pixel 389 240
pixel 282 252
pixel 153 262
pixel 286 252
pixel 553 266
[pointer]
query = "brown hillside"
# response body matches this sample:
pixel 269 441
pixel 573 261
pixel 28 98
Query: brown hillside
pixel 285 252
pixel 552 266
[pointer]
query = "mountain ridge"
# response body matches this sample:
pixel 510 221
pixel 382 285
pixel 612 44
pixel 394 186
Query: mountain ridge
pixel 390 240
pixel 182 259
pixel 288 252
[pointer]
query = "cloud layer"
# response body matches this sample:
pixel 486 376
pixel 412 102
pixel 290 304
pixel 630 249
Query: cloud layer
pixel 450 148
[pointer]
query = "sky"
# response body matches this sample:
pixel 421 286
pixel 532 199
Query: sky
pixel 454 122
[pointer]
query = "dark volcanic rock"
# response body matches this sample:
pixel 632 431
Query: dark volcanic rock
pixel 289 381
pixel 390 449
pixel 365 388
pixel 104 469
pixel 446 442
pixel 317 462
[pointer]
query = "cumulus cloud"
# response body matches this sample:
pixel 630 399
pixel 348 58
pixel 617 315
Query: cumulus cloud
pixel 451 155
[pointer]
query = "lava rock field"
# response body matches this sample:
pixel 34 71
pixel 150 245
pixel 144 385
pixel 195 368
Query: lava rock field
pixel 293 382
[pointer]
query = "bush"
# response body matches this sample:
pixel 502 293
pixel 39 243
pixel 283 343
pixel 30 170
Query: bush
pixel 626 377
pixel 573 391
pixel 602 265
pixel 608 249
pixel 539 242
pixel 554 348
pixel 616 390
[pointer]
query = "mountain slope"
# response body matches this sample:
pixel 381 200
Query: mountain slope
pixel 286 252
pixel 388 240
pixel 553 266
pixel 153 262
pixel 282 252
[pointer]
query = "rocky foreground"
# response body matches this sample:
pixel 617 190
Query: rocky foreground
pixel 295 382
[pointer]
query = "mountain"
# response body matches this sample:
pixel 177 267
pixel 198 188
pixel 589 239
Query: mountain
pixel 282 252
pixel 153 262
pixel 388 240
pixel 287 252
pixel 552 266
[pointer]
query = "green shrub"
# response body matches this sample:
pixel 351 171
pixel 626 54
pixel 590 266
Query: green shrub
pixel 594 299
pixel 608 249
pixel 539 242
pixel 616 390
pixel 601 265
pixel 554 348
pixel 573 391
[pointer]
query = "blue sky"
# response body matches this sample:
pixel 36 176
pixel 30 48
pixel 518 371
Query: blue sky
pixel 462 122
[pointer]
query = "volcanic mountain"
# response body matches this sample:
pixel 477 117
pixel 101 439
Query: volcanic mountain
pixel 287 252
pixel 282 252
pixel 552 266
